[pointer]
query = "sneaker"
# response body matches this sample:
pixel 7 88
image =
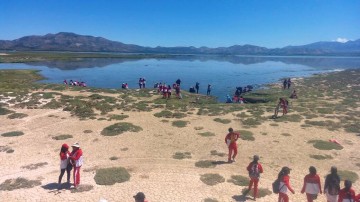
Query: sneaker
pixel 72 187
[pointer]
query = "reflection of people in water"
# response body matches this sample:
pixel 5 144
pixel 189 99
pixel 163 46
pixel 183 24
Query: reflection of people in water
pixel 293 95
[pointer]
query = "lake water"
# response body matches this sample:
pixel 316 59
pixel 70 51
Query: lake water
pixel 224 73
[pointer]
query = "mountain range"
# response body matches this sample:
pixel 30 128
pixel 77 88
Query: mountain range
pixel 65 41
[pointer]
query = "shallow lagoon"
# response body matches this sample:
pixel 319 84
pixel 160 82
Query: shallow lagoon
pixel 224 73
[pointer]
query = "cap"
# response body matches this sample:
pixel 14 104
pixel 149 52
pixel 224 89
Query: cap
pixel 139 196
pixel 76 145
pixel 65 146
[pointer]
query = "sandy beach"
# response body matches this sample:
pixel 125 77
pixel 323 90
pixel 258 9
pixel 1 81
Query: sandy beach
pixel 148 154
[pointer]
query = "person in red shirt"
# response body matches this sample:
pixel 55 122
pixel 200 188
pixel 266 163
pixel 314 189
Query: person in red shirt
pixel 357 198
pixel 64 164
pixel 284 184
pixel 284 105
pixel 312 186
pixel 254 169
pixel 347 194
pixel 77 161
pixel 230 140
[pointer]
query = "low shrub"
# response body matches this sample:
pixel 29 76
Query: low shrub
pixel 224 121
pixel 62 137
pixel 348 175
pixel 212 179
pixel 12 134
pixel 110 176
pixel 246 135
pixel 118 117
pixel 320 157
pixel 207 134
pixel 205 164
pixel 18 183
pixel 119 128
pixel 179 124
pixel 17 116
pixel 325 145
pixel 182 155
pixel 239 180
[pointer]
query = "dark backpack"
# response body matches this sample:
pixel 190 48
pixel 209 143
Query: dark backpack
pixel 254 171
pixel 276 186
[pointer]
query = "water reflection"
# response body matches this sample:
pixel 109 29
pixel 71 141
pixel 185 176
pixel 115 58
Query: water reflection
pixel 313 62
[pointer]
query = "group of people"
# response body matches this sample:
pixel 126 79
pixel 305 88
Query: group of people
pixel 142 83
pixel 166 90
pixel 70 161
pixel 311 185
pixel 75 83
pixel 124 86
pixel 287 83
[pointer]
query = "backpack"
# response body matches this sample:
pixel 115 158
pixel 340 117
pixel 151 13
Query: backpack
pixel 254 171
pixel 276 186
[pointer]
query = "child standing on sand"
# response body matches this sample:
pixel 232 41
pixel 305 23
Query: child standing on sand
pixel 312 186
pixel 77 161
pixel 65 164
pixel 284 184
pixel 254 169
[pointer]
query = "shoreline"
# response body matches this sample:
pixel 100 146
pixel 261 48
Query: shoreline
pixel 152 155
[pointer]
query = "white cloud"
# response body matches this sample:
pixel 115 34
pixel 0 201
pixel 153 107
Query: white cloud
pixel 342 40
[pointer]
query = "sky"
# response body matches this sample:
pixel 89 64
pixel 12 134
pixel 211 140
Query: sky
pixel 211 23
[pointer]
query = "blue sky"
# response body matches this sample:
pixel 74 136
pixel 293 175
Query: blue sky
pixel 212 23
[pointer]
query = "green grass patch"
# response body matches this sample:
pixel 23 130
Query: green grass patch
pixel 207 134
pixel 325 110
pixel 216 153
pixel 251 121
pixel 274 124
pixel 18 183
pixel 198 127
pixel 4 111
pixel 320 157
pixel 62 137
pixel 325 145
pixel 239 180
pixel 348 175
pixel 352 128
pixel 179 124
pixel 182 155
pixel 289 118
pixel 246 135
pixel 17 116
pixel 262 192
pixel 211 200
pixel 169 114
pixel 12 134
pixel 113 158
pixel 224 121
pixel 110 176
pixel 119 128
pixel 87 131
pixel 205 164
pixel 118 117
pixel 286 134
pixel 212 179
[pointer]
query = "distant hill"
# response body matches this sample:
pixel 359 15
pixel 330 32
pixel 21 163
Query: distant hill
pixel 65 41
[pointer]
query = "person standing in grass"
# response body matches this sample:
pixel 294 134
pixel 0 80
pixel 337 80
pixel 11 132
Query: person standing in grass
pixel 254 169
pixel 312 186
pixel 230 140
pixel 208 89
pixel 284 184
pixel 288 83
pixel 332 185
pixel 76 157
pixel 197 86
pixel 285 84
pixel 65 164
